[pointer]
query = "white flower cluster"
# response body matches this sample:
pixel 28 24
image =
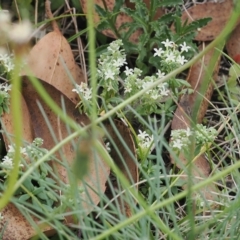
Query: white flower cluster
pixel 203 135
pixel 144 140
pixel 7 62
pixel 109 65
pixel 133 82
pixel 144 143
pixel 171 54
pixel 180 138
pixel 7 161
pixel 5 87
pixel 31 151
pixel 83 90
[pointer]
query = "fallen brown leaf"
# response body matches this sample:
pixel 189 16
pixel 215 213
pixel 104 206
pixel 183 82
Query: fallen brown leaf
pixel 220 13
pixel 51 60
pixel 98 172
pixel 17 227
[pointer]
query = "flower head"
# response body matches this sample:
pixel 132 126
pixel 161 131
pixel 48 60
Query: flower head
pixel 160 74
pixel 158 52
pixel 128 71
pixel 168 43
pixel 184 47
pixel 181 60
pixel 83 90
pixel 7 162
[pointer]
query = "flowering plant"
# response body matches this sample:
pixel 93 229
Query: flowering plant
pixel 180 139
pixel 4 98
pixel 38 187
pixel 132 80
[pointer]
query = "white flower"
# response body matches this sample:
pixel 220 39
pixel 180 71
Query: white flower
pixel 160 74
pixel 5 87
pixel 158 52
pixel 181 60
pixel 20 32
pixel 184 47
pixel 107 145
pixel 142 135
pixel 7 62
pixel 146 84
pixel 9 66
pixel 7 162
pixel 164 91
pixel 109 74
pixel 177 143
pixel 84 90
pixel 11 149
pixel 168 43
pixel 155 95
pixel 128 71
pixel 170 57
pixel 3 56
pixel 127 89
pixel 119 62
pixel 115 45
pixel 88 94
pixel 137 72
pixel 23 151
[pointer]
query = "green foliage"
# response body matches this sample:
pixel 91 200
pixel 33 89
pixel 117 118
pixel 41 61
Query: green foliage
pixel 233 87
pixel 4 102
pixel 38 188
pixel 24 7
pixel 154 31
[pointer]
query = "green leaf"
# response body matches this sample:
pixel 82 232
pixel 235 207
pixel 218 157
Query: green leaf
pixel 117 6
pixel 169 3
pixel 193 26
pixel 28 184
pixel 134 14
pixel 38 190
pixel 52 196
pixel 24 198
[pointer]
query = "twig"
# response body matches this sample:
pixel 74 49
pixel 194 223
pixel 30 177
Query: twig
pixel 50 16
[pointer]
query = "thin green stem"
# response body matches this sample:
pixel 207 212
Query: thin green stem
pixel 17 125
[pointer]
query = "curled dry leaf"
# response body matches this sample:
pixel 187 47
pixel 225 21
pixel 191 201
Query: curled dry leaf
pixel 220 13
pixel 16 227
pixel 51 60
pixel 121 19
pixel 7 125
pixel 233 43
pixel 182 117
pixel 122 158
